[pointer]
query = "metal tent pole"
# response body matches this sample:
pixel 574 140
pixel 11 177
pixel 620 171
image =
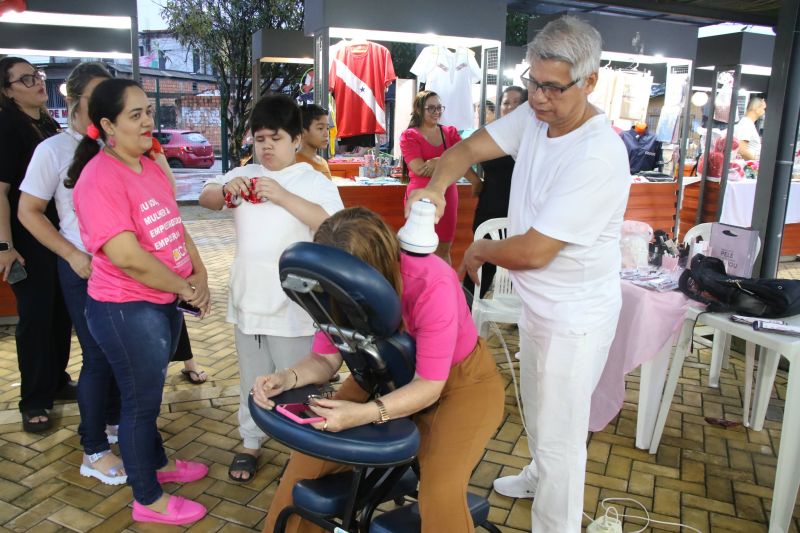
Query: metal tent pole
pixel 777 154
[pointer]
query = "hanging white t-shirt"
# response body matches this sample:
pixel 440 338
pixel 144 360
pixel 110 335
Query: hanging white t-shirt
pixel 746 130
pixel 45 176
pixel 450 75
pixel 256 301
pixel 573 188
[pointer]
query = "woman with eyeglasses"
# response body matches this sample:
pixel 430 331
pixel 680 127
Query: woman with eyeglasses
pixel 422 144
pixel 44 328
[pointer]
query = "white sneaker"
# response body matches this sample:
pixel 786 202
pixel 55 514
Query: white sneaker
pixel 515 486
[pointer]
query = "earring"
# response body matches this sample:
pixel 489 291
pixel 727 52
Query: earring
pixel 111 142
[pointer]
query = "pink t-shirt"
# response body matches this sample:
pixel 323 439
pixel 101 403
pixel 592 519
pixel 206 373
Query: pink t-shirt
pixel 413 145
pixel 435 313
pixel 110 198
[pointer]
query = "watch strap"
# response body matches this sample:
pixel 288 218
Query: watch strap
pixel 384 414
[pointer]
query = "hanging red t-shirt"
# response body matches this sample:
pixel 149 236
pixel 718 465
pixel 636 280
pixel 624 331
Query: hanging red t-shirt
pixel 359 76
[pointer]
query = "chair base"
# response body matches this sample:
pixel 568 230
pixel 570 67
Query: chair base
pixel 406 519
pixel 327 496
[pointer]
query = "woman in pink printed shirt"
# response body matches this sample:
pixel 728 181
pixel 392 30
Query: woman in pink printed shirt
pixel 455 398
pixel 142 262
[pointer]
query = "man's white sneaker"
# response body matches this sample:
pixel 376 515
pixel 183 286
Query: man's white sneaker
pixel 515 487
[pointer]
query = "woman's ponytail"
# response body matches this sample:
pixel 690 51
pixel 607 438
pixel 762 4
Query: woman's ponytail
pixel 86 150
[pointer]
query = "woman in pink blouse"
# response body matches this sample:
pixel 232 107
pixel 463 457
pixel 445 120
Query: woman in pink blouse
pixel 143 262
pixel 422 144
pixel 455 398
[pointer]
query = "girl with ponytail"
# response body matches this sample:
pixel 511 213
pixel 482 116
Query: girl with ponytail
pixel 143 262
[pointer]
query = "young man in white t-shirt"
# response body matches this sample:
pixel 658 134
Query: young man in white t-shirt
pixel 746 131
pixel 568 196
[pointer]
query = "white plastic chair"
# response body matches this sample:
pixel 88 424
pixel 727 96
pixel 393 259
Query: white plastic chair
pixel 505 305
pixel 721 345
pixel 702 230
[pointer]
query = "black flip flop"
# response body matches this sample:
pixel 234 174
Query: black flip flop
pixel 36 427
pixel 243 462
pixel 189 375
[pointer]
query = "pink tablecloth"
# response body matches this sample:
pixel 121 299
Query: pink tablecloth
pixel 648 321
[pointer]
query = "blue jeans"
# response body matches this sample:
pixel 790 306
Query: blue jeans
pixel 138 339
pixel 98 395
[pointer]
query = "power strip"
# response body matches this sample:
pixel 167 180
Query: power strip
pixel 605 524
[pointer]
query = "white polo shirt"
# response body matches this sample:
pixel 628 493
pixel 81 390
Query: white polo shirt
pixel 45 176
pixel 573 188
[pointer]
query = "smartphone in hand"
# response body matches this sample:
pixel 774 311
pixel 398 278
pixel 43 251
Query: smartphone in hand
pixel 16 273
pixel 188 308
pixel 299 412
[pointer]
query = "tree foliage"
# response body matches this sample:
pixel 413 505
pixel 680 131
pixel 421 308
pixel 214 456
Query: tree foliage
pixel 517 28
pixel 223 29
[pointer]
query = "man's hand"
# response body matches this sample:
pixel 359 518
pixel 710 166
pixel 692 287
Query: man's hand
pixel 436 197
pixel 472 261
pixel 237 187
pixel 269 189
pixel 81 263
pixel 7 259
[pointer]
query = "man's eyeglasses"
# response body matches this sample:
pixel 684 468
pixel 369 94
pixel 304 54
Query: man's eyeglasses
pixel 549 90
pixel 434 108
pixel 29 80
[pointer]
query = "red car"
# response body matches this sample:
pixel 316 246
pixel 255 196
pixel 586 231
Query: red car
pixel 186 148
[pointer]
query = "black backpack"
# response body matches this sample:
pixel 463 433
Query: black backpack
pixel 706 281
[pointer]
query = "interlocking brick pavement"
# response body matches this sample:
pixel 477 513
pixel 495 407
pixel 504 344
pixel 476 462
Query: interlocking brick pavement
pixel 710 478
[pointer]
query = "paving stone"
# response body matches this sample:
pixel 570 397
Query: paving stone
pixel 75 519
pixel 30 518
pixel 714 479
pixel 39 494
pixel 114 503
pixel 8 511
pixel 238 514
pixel 119 521
pixel 16 453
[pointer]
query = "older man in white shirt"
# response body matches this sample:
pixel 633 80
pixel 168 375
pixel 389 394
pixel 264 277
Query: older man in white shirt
pixel 568 195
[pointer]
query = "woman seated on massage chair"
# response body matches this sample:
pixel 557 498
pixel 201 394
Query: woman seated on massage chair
pixel 456 396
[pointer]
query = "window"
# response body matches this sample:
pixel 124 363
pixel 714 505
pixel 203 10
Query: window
pixel 163 138
pixel 195 137
pixel 195 62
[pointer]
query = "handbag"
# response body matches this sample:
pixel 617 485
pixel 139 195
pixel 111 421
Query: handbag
pixel 707 282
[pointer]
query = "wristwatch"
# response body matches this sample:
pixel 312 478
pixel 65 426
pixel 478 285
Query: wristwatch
pixel 384 414
pixel 5 246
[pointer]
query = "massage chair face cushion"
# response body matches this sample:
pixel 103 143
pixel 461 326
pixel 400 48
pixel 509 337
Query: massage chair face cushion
pixel 355 296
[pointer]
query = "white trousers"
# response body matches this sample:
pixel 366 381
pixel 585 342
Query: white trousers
pixel 259 355
pixel 559 371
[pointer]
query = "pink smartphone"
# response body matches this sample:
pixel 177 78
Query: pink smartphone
pixel 299 412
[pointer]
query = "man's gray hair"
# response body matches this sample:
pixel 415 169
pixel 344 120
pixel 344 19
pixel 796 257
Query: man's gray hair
pixel 572 41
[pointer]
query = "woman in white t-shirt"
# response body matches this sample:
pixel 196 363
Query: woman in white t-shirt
pixel 278 202
pixel 44 181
